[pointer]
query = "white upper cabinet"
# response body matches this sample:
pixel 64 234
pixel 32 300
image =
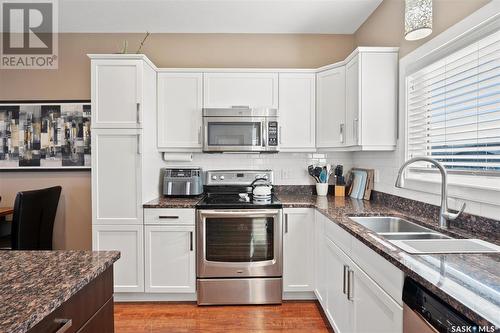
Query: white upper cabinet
pixel 116 176
pixel 180 102
pixel 116 93
pixel 223 90
pixel 330 112
pixel 352 102
pixel 298 250
pixel 297 105
pixel 371 99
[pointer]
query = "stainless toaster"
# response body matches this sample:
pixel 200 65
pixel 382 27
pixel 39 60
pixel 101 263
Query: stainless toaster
pixel 182 181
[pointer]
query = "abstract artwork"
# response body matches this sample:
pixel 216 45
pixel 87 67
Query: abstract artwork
pixel 45 135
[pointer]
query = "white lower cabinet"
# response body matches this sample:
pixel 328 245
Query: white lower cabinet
pixel 353 301
pixel 320 278
pixel 170 259
pixel 298 250
pixel 128 239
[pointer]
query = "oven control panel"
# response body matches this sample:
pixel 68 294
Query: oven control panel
pixel 272 133
pixel 236 177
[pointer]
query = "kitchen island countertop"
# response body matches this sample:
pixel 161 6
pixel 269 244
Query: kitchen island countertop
pixel 35 283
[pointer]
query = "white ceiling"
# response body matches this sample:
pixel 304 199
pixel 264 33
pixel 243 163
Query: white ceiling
pixel 215 16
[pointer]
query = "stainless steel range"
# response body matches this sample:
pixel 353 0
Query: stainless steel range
pixel 239 240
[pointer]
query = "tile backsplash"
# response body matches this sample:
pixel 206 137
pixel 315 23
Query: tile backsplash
pixel 289 168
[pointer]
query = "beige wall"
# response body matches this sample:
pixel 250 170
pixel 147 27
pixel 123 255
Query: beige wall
pixel 385 27
pixel 72 81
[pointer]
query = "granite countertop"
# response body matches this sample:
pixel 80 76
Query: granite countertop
pixel 470 283
pixel 173 202
pixel 35 283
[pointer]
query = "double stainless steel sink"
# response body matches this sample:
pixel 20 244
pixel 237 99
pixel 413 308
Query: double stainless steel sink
pixel 416 239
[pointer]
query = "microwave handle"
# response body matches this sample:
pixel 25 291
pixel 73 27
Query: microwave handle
pixel 264 134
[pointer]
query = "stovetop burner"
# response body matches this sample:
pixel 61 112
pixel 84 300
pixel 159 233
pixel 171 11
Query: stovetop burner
pixel 233 200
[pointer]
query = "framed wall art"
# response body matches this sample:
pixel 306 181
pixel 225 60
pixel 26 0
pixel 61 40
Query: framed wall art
pixel 45 135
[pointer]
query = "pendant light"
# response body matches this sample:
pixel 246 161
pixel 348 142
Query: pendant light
pixel 418 19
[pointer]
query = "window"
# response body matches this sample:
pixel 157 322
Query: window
pixel 453 109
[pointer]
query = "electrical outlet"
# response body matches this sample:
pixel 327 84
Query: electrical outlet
pixel 376 176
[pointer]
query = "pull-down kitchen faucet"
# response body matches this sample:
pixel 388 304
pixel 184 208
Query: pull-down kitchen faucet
pixel 444 215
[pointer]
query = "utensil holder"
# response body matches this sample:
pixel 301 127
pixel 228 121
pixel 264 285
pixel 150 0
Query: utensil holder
pixel 322 189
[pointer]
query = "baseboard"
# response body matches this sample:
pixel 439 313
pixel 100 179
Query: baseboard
pixel 298 295
pixel 154 297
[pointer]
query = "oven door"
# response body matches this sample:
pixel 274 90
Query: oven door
pixel 239 243
pixel 234 134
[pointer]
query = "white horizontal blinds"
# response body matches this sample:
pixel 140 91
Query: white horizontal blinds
pixel 454 108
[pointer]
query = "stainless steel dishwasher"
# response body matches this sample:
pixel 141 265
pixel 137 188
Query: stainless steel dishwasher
pixel 423 312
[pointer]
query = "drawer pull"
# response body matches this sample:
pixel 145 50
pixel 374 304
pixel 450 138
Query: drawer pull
pixel 168 217
pixel 66 324
pixel 344 280
pixel 190 241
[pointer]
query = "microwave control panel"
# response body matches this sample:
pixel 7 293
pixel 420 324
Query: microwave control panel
pixel 272 133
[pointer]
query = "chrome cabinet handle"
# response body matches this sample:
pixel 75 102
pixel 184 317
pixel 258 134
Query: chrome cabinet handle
pixel 342 133
pixel 199 135
pixel 168 217
pixel 350 285
pixel 66 325
pixel 191 241
pixel 355 129
pixel 139 148
pixel 286 223
pixel 344 279
pixel 138 111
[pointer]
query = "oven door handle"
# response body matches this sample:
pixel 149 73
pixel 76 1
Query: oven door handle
pixel 253 212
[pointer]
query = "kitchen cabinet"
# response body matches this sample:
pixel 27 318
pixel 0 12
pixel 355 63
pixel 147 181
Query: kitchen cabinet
pixel 297 107
pixel 330 112
pixel 320 274
pixel 371 99
pixel 255 90
pixel 180 102
pixel 170 258
pixel 355 299
pixel 116 176
pixel 128 239
pixel 116 93
pixel 298 249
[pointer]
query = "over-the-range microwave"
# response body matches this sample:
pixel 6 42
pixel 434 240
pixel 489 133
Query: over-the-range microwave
pixel 240 129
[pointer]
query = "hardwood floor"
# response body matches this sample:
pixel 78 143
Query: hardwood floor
pixel 182 317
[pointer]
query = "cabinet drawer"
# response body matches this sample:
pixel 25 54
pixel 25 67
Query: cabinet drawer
pixel 386 275
pixel 339 236
pixel 169 216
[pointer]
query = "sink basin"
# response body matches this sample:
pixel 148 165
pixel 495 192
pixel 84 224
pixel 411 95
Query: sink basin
pixel 389 224
pixel 413 235
pixel 446 246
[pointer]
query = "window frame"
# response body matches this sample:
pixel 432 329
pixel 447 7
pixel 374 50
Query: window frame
pixel 485 188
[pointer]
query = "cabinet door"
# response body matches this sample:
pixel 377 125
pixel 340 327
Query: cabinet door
pixel 116 176
pixel 297 100
pixel 298 238
pixel 373 310
pixel 330 113
pixel 116 93
pixel 352 102
pixel 320 259
pixel 338 309
pixel 170 259
pixel 128 239
pixel 180 100
pixel 223 90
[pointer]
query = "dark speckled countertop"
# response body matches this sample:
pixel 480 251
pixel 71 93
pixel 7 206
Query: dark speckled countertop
pixel 173 202
pixel 470 283
pixel 35 283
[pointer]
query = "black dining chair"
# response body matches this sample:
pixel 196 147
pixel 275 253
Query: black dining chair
pixel 33 219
